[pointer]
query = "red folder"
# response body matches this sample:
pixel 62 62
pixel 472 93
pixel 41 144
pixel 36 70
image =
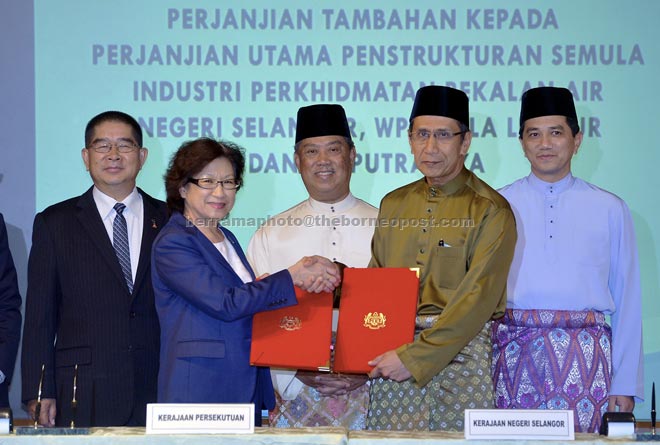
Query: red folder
pixel 297 337
pixel 376 314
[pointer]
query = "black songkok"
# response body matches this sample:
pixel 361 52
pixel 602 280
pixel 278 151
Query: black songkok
pixel 321 120
pixel 547 101
pixel 435 100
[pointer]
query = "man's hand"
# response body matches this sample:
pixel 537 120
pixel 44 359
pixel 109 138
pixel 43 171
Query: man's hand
pixel 315 274
pixel 47 414
pixel 389 366
pixel 623 403
pixel 331 384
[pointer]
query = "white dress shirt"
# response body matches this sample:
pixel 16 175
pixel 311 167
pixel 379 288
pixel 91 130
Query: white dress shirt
pixel 134 215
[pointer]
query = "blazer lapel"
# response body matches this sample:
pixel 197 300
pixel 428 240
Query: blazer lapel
pixel 206 244
pixel 213 251
pixel 234 242
pixel 154 219
pixel 91 221
pixel 221 262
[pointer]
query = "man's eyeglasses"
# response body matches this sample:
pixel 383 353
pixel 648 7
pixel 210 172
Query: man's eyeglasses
pixel 422 136
pixel 211 183
pixel 122 146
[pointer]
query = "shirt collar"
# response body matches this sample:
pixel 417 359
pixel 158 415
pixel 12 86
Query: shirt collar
pixel 551 187
pixel 451 187
pixel 105 204
pixel 337 207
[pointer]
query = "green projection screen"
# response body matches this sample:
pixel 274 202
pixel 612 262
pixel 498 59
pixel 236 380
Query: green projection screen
pixel 239 71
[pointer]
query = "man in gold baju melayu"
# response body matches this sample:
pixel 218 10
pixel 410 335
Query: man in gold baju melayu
pixel 461 234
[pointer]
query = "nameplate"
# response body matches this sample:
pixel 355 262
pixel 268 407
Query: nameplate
pixel 200 418
pixel 530 424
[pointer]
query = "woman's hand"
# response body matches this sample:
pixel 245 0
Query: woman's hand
pixel 315 274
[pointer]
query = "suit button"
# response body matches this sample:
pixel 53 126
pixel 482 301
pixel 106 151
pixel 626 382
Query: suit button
pixel 130 348
pixel 132 314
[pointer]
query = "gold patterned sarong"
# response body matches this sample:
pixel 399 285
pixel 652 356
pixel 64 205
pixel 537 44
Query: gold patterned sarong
pixel 464 384
pixel 310 409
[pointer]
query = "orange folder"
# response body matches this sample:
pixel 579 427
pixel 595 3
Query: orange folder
pixel 297 337
pixel 376 314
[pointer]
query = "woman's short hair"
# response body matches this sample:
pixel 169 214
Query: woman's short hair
pixel 191 158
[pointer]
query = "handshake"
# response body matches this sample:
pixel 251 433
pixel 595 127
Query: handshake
pixel 315 274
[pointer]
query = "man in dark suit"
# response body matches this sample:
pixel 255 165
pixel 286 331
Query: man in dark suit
pixel 10 315
pixel 90 312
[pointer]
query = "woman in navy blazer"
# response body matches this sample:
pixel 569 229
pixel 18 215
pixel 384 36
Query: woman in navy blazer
pixel 206 293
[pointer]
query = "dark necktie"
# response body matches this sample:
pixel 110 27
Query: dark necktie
pixel 120 243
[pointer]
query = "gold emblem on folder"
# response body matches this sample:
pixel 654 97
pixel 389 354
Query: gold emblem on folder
pixel 290 323
pixel 374 320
